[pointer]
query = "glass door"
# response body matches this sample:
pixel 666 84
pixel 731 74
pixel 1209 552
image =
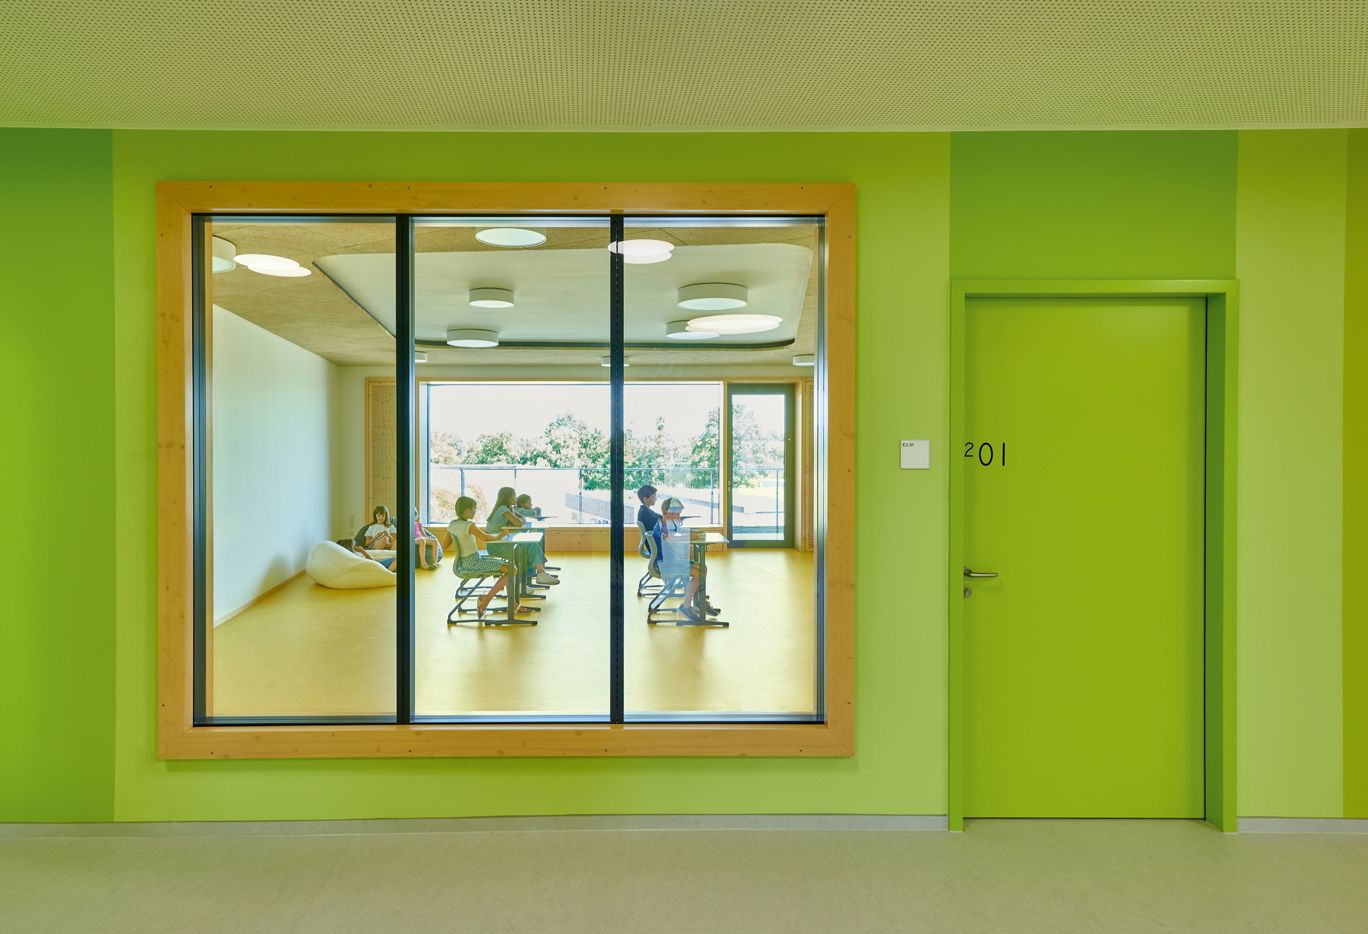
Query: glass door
pixel 760 465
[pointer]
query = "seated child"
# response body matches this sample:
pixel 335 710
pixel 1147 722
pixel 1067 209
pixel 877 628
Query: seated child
pixel 427 549
pixel 504 516
pixel 523 507
pixel 470 561
pixel 380 534
pixel 676 560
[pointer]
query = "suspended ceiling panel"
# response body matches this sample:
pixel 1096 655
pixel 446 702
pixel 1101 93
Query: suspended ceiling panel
pixel 560 290
pixel 561 296
pixel 698 64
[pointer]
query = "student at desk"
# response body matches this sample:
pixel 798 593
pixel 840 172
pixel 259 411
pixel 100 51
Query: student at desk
pixel 505 516
pixel 523 507
pixel 676 561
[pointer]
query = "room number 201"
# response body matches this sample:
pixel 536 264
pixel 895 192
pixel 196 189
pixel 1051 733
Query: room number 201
pixel 986 453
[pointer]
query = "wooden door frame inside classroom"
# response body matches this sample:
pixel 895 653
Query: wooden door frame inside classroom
pixel 178 204
pixel 1221 405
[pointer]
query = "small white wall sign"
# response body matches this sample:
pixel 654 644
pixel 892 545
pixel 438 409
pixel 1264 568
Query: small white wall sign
pixel 916 455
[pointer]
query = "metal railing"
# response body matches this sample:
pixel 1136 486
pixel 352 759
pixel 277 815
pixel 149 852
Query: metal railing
pixel 583 491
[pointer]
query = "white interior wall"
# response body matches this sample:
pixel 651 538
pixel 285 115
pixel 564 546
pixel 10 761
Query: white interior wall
pixel 275 411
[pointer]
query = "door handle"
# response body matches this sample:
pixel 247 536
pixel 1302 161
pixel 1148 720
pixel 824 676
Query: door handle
pixel 979 575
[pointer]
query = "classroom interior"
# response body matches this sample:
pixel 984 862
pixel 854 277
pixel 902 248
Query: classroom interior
pixel 299 367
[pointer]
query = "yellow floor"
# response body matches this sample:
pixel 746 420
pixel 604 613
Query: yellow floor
pixel 307 650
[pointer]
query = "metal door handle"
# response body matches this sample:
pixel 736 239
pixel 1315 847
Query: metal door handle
pixel 979 575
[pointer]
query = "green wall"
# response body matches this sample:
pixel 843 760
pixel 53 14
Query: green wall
pixel 57 637
pixel 903 270
pixel 1093 205
pixel 1289 241
pixel 1029 205
pixel 1356 481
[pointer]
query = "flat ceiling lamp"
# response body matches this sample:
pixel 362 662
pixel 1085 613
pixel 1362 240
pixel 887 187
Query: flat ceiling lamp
pixel 642 252
pixel 491 298
pixel 805 359
pixel 608 361
pixel 643 259
pixel 472 337
pixel 224 255
pixel 269 265
pixel 263 262
pixel 510 236
pixel 419 357
pixel 713 296
pixel 635 247
pixel 735 324
pixel 680 331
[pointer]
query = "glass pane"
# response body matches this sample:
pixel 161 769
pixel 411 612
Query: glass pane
pixel 513 441
pixel 760 441
pixel 301 446
pixel 721 422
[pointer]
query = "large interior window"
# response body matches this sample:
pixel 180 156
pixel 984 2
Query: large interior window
pixel 531 469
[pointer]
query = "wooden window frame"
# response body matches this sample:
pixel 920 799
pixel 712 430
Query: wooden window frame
pixel 177 735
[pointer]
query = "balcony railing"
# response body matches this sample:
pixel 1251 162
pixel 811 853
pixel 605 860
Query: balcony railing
pixel 580 495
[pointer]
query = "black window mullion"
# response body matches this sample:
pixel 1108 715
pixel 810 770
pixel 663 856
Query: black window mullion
pixel 617 471
pixel 404 494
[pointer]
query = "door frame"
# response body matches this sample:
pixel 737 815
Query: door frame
pixel 1222 407
pixel 787 389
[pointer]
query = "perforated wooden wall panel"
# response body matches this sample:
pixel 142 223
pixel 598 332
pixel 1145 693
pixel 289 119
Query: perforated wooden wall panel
pixel 703 64
pixel 381 450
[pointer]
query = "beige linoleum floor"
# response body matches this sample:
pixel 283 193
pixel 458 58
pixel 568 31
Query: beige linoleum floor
pixel 309 650
pixel 1001 876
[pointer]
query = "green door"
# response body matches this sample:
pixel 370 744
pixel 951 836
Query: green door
pixel 1083 479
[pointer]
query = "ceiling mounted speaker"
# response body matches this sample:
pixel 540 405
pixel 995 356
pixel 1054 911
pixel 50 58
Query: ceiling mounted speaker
pixel 713 296
pixel 805 359
pixel 491 298
pixel 680 331
pixel 224 255
pixel 472 337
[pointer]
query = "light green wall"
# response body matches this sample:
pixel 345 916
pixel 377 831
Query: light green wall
pixel 1356 481
pixel 903 216
pixel 1290 262
pixel 1093 205
pixel 56 633
pixel 1031 205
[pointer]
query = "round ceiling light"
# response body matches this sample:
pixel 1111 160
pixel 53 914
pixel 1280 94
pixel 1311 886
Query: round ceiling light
pixel 680 331
pixel 634 247
pixel 263 262
pixel 510 236
pixel 290 272
pixel 805 359
pixel 608 361
pixel 224 255
pixel 735 324
pixel 713 296
pixel 491 298
pixel 472 337
pixel 642 259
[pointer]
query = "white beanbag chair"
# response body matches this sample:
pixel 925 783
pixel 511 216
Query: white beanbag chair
pixel 333 566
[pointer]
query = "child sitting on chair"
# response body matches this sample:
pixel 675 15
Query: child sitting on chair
pixel 504 517
pixel 427 549
pixel 523 507
pixel 676 560
pixel 470 561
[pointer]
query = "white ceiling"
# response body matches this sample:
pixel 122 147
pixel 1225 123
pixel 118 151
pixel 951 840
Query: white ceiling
pixel 562 295
pixel 684 64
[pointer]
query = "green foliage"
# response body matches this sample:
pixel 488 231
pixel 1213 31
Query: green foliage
pixel 658 458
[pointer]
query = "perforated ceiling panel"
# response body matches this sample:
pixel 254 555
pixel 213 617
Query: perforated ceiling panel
pixel 703 64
